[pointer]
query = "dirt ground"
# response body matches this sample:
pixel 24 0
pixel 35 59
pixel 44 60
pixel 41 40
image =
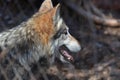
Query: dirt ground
pixel 99 58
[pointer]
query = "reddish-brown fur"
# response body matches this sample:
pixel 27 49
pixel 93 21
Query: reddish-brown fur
pixel 43 25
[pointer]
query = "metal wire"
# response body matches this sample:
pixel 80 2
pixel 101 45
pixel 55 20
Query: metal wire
pixel 13 12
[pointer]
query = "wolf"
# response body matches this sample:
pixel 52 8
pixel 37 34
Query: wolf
pixel 43 35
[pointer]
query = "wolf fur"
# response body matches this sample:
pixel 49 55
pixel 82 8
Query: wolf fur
pixel 24 45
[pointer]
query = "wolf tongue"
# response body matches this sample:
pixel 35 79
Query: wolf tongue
pixel 66 54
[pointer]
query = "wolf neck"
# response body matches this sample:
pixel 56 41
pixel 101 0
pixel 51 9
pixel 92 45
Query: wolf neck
pixel 30 40
pixel 22 44
pixel 12 37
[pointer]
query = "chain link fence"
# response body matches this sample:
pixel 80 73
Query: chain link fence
pixel 13 12
pixel 98 60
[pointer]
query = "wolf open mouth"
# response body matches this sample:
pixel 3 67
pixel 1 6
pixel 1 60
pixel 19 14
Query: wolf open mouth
pixel 66 53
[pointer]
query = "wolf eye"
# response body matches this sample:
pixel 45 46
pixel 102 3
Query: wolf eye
pixel 61 32
pixel 65 32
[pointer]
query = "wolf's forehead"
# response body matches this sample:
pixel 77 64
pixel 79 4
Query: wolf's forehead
pixel 61 25
pixel 58 20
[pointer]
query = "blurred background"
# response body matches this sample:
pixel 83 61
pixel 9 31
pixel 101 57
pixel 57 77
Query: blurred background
pixel 13 12
pixel 99 58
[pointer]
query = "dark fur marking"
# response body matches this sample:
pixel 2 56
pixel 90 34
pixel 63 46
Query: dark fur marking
pixel 61 31
pixel 34 68
pixel 1 77
pixel 4 63
pixel 43 62
pixel 6 40
pixel 26 76
pixel 10 73
pixel 0 49
pixel 6 45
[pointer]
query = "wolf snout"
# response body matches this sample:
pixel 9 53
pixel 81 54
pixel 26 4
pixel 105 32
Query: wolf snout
pixel 73 45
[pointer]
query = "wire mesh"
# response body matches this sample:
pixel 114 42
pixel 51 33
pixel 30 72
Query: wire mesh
pixel 95 63
pixel 13 12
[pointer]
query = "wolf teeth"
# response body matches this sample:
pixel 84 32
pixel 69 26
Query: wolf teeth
pixel 69 58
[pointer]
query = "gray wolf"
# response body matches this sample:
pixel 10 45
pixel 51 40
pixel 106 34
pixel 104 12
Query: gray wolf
pixel 42 35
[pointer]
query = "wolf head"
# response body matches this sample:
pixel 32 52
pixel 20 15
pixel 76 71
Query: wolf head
pixel 66 46
pixel 54 36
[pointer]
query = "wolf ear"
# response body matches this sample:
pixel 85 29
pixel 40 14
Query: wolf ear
pixel 57 14
pixel 46 6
